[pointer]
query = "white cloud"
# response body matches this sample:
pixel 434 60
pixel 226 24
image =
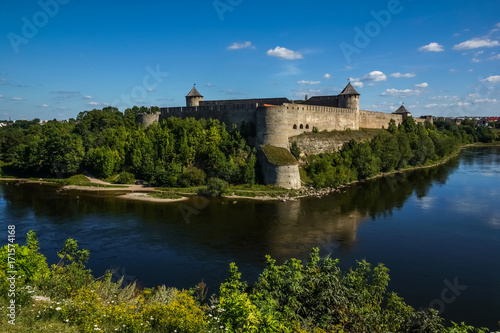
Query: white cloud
pixel 282 52
pixel 87 97
pixel 432 47
pixel 422 85
pixel 93 103
pixel 444 98
pixel 399 75
pixel 239 46
pixel 17 99
pixel 476 60
pixel 475 43
pixel 44 105
pixel 374 76
pixel 209 85
pixel 463 104
pixel 493 78
pixel 327 76
pixel 486 101
pixel 308 82
pixel 430 106
pixel 495 57
pixel 396 92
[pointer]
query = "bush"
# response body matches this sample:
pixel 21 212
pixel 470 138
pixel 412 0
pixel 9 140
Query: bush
pixel 315 129
pixel 215 188
pixel 295 150
pixel 192 177
pixel 125 178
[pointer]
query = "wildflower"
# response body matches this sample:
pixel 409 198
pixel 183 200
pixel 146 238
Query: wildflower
pixel 58 308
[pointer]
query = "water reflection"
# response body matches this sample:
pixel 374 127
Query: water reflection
pixel 227 230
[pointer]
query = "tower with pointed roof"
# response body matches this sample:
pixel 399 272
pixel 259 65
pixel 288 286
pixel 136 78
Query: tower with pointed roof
pixel 194 97
pixel 349 98
pixel 403 112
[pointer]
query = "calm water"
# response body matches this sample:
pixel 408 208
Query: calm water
pixel 432 228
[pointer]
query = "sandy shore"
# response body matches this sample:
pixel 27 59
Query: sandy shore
pixel 146 197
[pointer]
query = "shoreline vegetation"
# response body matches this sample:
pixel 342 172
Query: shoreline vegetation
pixel 255 192
pixel 314 296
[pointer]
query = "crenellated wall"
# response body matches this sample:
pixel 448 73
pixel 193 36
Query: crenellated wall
pixel 372 119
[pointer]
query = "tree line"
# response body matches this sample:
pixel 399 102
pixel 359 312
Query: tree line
pixel 407 145
pixel 176 152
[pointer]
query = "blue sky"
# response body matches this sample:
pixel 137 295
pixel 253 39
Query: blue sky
pixel 61 57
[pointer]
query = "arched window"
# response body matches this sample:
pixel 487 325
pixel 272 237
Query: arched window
pixel 295 126
pixel 301 126
pixel 307 126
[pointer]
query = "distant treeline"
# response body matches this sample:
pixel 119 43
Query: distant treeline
pixel 177 152
pixel 407 145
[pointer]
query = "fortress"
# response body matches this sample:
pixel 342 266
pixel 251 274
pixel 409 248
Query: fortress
pixel 275 120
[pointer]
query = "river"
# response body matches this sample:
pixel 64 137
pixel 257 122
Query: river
pixel 436 229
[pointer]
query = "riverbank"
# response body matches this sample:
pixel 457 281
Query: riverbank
pixel 238 192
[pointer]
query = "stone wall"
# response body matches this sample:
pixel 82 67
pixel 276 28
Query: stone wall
pixel 148 119
pixel 372 119
pixel 302 118
pixel 271 127
pixel 286 176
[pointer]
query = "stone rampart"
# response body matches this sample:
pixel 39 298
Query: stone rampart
pixel 147 119
pixel 286 176
pixel 372 119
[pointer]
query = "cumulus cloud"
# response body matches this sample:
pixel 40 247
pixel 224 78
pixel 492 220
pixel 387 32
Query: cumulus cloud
pixel 18 99
pixel 432 47
pixel 93 103
pixel 422 85
pixel 430 106
pixel 44 105
pixel 371 77
pixel 396 92
pixel 87 97
pixel 308 82
pixel 209 85
pixel 495 57
pixel 239 46
pixel 327 76
pixel 375 76
pixel 284 53
pixel 475 43
pixel 444 98
pixel 493 78
pixel 399 75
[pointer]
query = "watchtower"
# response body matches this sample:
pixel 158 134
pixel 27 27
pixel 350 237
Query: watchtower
pixel 194 97
pixel 349 98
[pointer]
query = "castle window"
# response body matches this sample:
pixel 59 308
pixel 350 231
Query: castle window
pixel 307 126
pixel 301 126
pixel 295 126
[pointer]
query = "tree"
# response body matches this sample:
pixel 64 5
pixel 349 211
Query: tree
pixel 295 150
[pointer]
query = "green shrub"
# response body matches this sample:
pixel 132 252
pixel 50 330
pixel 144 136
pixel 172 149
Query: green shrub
pixel 192 176
pixel 125 178
pixel 215 188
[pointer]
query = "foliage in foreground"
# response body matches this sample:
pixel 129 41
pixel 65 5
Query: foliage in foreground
pixel 294 297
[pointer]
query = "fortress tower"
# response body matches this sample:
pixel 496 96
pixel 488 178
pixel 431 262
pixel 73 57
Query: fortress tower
pixel 349 98
pixel 193 98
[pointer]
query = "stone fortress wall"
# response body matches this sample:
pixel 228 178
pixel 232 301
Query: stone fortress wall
pixel 277 119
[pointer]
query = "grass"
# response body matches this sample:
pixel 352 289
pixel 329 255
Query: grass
pixel 360 135
pixel 181 190
pixel 261 191
pixel 278 156
pixel 164 195
pixel 76 180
